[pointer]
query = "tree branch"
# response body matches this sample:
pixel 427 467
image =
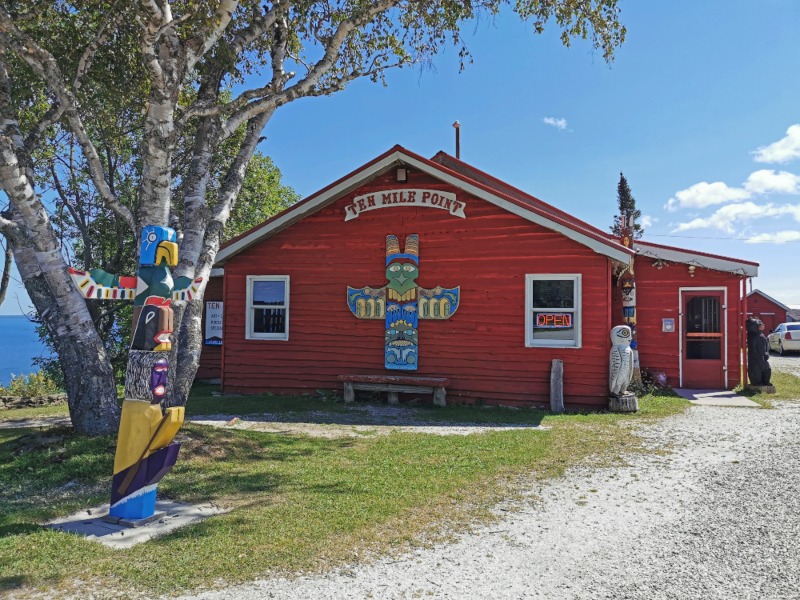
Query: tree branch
pixel 200 44
pixel 8 228
pixel 305 86
pixel 106 29
pixel 45 66
pixel 50 118
pixel 158 22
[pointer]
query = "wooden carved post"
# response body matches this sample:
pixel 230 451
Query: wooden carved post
pixel 145 447
pixel 627 283
pixel 557 386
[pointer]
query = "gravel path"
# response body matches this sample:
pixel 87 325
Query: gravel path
pixel 718 517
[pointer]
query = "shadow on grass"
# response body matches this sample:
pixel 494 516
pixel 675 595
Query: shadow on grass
pixel 18 529
pixel 207 404
pixel 10 583
pixel 225 463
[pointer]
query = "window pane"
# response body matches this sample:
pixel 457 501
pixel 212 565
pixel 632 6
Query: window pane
pixel 269 320
pixel 269 293
pixel 703 349
pixel 702 315
pixel 553 293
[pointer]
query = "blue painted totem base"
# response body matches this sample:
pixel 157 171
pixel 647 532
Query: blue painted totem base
pixel 136 507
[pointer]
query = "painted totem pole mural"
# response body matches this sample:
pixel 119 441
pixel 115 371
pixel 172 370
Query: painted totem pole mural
pixel 401 303
pixel 145 447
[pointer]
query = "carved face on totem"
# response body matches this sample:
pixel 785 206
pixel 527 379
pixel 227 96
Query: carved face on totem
pixel 153 331
pixel 158 379
pixel 158 245
pixel 402 276
pixel 401 333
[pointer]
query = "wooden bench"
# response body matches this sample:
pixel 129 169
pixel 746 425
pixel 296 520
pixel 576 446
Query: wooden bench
pixel 394 385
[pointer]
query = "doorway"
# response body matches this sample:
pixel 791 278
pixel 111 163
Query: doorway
pixel 703 339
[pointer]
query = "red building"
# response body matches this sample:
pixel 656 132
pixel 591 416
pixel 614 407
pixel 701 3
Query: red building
pixel 771 312
pixel 495 285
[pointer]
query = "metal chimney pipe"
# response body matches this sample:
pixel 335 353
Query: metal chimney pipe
pixel 457 127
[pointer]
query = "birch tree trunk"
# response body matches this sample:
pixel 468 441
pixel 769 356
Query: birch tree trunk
pixel 88 376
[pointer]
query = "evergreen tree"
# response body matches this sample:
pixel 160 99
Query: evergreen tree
pixel 627 205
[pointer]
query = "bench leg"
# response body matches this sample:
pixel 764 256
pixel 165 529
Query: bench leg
pixel 393 397
pixel 439 396
pixel 349 392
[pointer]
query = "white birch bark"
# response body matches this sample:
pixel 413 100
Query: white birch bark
pixel 87 372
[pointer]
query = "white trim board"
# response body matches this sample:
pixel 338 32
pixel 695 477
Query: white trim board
pixel 676 255
pixel 681 330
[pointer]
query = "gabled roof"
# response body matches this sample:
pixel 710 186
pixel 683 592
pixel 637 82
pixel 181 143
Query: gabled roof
pixel 670 253
pixel 479 185
pixel 770 298
pixel 700 259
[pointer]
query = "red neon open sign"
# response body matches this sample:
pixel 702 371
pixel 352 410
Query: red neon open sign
pixel 553 320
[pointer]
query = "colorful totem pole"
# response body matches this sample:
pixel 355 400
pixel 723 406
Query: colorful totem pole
pixel 401 303
pixel 145 447
pixel 627 284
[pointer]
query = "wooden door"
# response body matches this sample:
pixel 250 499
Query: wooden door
pixel 703 356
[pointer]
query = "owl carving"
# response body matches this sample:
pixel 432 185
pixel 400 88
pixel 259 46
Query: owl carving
pixel 620 364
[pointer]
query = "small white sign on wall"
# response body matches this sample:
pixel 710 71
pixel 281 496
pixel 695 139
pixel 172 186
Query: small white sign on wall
pixel 668 325
pixel 213 331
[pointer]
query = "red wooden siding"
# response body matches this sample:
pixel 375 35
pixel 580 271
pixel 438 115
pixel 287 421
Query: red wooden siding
pixel 211 356
pixel 765 309
pixel 657 298
pixel 481 348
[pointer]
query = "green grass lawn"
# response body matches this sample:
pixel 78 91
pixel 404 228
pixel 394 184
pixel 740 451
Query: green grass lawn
pixel 297 502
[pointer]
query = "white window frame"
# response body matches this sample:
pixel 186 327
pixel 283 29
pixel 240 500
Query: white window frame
pixel 249 333
pixel 576 311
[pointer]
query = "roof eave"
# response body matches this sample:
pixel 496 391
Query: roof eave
pixel 678 255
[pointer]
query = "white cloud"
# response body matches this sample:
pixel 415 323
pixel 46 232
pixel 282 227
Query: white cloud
pixel 704 194
pixel 647 220
pixel 781 237
pixel 784 150
pixel 557 123
pixel 768 182
pixel 728 216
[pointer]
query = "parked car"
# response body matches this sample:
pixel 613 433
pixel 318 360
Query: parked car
pixel 785 338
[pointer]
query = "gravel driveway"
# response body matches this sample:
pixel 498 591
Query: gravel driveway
pixel 718 517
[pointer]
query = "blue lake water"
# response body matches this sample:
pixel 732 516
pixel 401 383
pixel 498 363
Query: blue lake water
pixel 19 345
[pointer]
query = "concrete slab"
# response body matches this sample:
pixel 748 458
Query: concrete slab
pixel 716 398
pixel 90 523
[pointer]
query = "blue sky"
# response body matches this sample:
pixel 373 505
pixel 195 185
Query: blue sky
pixel 700 111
